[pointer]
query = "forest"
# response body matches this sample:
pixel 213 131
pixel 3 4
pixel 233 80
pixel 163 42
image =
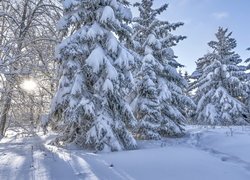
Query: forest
pixel 102 78
pixel 80 79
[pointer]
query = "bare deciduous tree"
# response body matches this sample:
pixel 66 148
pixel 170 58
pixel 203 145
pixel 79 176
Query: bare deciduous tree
pixel 27 39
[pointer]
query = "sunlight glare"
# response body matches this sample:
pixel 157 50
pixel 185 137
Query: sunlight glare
pixel 29 85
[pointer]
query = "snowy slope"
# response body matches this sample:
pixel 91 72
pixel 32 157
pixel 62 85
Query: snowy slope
pixel 204 153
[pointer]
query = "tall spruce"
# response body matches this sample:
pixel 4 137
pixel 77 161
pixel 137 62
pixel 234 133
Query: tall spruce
pixel 219 83
pixel 247 83
pixel 160 98
pixel 95 72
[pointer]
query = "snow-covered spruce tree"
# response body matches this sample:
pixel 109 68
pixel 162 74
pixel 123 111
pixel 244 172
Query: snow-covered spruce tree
pixel 95 70
pixel 219 83
pixel 187 77
pixel 247 83
pixel 148 105
pixel 160 100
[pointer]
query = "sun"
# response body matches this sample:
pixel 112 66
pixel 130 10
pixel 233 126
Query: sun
pixel 29 85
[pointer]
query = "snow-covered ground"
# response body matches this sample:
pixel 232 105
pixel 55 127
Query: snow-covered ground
pixel 204 153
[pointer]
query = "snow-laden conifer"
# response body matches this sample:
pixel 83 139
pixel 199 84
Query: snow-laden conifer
pixel 160 98
pixel 219 83
pixel 247 83
pixel 95 72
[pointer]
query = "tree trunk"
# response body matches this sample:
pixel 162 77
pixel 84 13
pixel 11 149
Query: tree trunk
pixel 4 114
pixel 32 123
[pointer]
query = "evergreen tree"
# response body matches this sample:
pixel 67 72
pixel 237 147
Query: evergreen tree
pixel 160 98
pixel 186 77
pixel 247 83
pixel 188 111
pixel 148 108
pixel 219 83
pixel 95 72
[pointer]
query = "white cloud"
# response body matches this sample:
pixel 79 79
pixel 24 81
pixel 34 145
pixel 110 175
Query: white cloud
pixel 220 15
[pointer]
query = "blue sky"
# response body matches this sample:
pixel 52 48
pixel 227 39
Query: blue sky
pixel 202 19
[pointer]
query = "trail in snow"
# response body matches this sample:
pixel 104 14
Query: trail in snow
pixel 28 158
pixel 228 158
pixel 23 157
pixel 206 141
pixel 202 154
